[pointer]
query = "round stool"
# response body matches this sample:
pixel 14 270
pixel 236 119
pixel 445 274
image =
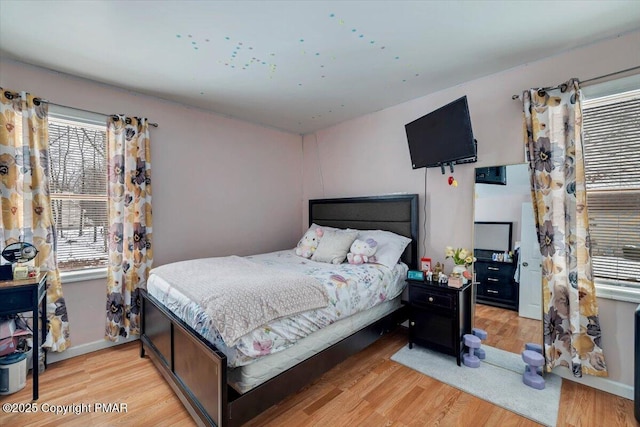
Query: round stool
pixel 530 377
pixel 482 334
pixel 470 359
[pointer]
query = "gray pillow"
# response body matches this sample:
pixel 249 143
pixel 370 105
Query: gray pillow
pixel 334 245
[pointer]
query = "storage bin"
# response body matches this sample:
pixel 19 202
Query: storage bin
pixel 13 373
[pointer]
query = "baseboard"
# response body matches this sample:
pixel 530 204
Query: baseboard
pixel 90 347
pixel 604 384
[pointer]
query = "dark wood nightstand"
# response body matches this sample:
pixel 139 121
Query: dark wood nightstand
pixel 439 316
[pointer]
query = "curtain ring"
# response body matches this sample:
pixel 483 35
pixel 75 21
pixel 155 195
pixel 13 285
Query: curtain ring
pixel 9 95
pixel 115 117
pixel 563 87
pixel 541 93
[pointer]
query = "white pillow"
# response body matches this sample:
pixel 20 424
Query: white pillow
pixel 334 245
pixel 390 245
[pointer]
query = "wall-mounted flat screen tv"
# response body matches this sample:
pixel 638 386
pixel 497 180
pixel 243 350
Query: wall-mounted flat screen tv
pixel 442 137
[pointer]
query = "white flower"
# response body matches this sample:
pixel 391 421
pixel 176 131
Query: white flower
pixel 460 256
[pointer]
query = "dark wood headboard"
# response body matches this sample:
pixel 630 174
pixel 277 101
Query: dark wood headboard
pixel 395 213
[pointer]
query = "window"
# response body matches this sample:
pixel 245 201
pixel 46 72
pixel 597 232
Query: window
pixel 78 168
pixel 611 125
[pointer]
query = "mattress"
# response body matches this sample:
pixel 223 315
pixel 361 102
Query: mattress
pixel 351 288
pixel 244 378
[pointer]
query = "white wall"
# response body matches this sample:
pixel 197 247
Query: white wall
pixel 220 186
pixel 369 155
pixel 504 202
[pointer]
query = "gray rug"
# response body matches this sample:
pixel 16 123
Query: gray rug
pixel 498 380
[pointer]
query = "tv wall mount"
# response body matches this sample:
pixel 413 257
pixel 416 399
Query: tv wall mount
pixel 460 161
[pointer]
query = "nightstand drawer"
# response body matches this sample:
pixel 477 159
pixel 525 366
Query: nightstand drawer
pixel 424 297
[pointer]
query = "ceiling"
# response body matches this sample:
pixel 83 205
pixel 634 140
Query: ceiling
pixel 298 65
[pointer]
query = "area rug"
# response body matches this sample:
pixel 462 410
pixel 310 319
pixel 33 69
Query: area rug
pixel 498 380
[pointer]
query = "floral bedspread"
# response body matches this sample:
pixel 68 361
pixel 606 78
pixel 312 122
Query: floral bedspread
pixel 351 289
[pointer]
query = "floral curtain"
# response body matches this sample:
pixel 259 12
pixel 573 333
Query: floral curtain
pixel 130 254
pixel 553 139
pixel 26 204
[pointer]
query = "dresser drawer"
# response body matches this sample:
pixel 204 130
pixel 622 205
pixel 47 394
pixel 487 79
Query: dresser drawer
pixel 497 291
pixel 430 298
pixel 495 271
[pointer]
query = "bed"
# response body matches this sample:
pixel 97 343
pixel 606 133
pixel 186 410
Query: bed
pixel 212 382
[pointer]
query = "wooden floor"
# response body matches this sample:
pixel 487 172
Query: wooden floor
pixel 368 390
pixel 506 330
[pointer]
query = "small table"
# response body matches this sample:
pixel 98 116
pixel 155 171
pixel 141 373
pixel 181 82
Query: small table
pixel 18 296
pixel 439 316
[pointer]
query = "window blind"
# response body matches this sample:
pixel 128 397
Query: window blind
pixel 611 137
pixel 78 172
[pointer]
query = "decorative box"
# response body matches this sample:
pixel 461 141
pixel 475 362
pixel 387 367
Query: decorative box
pixel 455 281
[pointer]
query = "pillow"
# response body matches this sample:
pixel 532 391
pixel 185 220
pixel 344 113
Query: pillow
pixel 334 245
pixel 390 245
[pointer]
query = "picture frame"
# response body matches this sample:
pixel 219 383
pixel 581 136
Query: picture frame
pixel 425 264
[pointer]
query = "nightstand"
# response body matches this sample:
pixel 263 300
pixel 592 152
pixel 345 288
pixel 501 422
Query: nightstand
pixel 439 316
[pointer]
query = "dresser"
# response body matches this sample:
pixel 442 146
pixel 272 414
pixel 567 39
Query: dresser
pixel 439 316
pixel 495 283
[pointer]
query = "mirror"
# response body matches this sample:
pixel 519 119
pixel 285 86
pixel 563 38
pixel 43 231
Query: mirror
pixel 507 272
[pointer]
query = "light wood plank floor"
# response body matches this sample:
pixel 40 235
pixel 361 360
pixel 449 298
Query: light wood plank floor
pixel 368 389
pixel 505 329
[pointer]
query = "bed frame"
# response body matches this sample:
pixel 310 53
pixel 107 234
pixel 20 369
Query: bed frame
pixel 197 370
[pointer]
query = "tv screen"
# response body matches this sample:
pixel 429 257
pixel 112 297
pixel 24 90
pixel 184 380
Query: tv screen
pixel 442 137
pixel 492 236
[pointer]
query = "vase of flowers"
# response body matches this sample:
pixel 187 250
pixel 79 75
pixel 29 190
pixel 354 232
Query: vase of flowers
pixel 462 258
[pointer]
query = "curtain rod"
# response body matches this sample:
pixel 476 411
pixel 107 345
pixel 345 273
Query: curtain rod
pixel 155 125
pixel 514 97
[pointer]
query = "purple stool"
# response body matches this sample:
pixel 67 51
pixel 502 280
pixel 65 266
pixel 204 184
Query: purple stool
pixel 470 359
pixel 482 334
pixel 530 377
